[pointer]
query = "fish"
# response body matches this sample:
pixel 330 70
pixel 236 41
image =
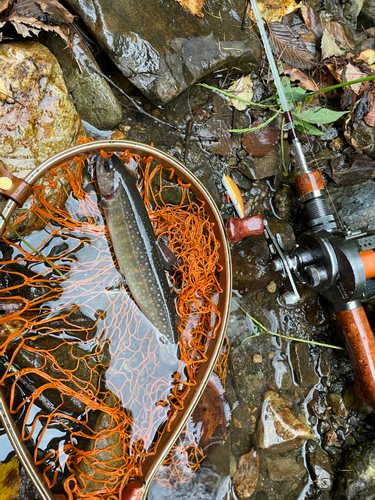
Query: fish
pixel 234 195
pixel 135 245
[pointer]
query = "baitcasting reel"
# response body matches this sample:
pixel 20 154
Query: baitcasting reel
pixel 338 264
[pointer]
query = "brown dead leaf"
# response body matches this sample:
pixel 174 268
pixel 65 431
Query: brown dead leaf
pixel 193 6
pixel 56 11
pixel 354 73
pixel 275 10
pixel 246 477
pixel 4 5
pixel 289 46
pixel 260 142
pixel 370 117
pixel 361 168
pixel 312 20
pixel 10 479
pixel 338 34
pixel 297 76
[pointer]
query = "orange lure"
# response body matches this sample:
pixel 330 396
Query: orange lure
pixel 234 195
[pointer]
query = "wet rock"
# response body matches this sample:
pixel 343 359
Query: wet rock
pixel 303 365
pixel 352 9
pixel 318 407
pixel 357 479
pixel 320 466
pixel 261 167
pixel 315 314
pixel 107 454
pixel 90 93
pixel 354 204
pixel 161 47
pixel 366 17
pixel 283 202
pixel 40 122
pixel 67 359
pixel 337 404
pixel 363 138
pixel 278 430
pixel 352 401
pixel 285 469
pixel 330 437
pixel 246 477
pixel 251 259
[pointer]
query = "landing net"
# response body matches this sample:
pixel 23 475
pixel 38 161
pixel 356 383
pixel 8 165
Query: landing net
pixel 90 387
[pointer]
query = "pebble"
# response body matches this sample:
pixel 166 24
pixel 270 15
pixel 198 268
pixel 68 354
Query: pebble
pixel 278 430
pixel 272 287
pixel 330 437
pixel 336 402
pixel 257 358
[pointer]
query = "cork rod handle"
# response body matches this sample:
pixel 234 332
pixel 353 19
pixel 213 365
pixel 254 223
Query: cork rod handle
pixel 360 344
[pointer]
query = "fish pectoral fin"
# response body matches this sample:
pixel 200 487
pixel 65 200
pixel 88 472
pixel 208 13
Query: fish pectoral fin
pixel 168 258
pixel 103 203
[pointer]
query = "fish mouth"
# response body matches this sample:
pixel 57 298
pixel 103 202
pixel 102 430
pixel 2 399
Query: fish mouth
pixel 110 196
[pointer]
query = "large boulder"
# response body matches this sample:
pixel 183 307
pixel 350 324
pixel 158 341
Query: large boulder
pixel 161 47
pixel 37 118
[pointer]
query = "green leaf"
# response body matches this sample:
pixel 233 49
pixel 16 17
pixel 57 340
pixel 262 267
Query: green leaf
pixel 232 96
pixel 307 127
pixel 320 116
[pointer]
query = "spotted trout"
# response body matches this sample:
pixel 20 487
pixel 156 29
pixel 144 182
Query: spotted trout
pixel 135 244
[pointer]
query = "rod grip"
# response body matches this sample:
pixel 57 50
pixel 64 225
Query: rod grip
pixel 360 344
pixel 249 226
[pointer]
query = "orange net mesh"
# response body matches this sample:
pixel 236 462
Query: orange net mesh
pixel 89 385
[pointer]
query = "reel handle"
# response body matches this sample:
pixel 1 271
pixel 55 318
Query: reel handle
pixel 249 226
pixel 360 344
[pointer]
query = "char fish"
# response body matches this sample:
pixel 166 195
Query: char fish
pixel 135 244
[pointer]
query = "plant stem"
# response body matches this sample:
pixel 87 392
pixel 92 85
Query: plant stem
pixel 258 127
pixel 343 84
pixel 233 96
pixel 265 330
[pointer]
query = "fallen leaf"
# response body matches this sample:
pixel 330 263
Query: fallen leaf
pixel 297 76
pixel 260 142
pixel 193 6
pixel 367 56
pixel 10 479
pixel 273 11
pixel 243 87
pixel 56 11
pixel 361 168
pixel 246 477
pixel 4 4
pixel 218 129
pixel 370 117
pixel 354 73
pixel 289 46
pixel 329 47
pixel 312 20
pixel 212 414
pixel 338 34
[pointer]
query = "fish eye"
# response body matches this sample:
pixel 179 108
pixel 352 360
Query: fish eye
pixel 106 166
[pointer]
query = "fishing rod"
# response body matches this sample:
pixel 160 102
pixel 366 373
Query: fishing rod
pixel 340 264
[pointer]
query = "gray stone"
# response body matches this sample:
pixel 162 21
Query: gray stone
pixel 366 18
pixel 303 366
pixel 262 166
pixel 357 479
pixel 337 404
pixel 320 466
pixel 161 47
pixel 90 93
pixel 355 204
pixel 352 9
pixel 285 469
